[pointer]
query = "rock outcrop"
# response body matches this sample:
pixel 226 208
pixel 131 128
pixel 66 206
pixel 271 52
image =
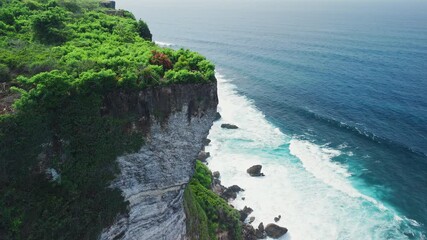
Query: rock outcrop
pixel 245 212
pixel 248 232
pixel 255 171
pixel 174 119
pixel 230 193
pixel 108 4
pixel 217 116
pixel 202 156
pixel 260 231
pixel 274 231
pixel 229 126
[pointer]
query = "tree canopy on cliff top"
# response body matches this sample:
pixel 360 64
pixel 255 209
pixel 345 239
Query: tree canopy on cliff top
pixel 62 57
pixel 40 36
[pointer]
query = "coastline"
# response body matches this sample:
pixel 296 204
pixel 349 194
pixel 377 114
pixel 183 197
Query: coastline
pixel 311 201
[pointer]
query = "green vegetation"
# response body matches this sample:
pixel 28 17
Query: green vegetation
pixel 76 36
pixel 64 57
pixel 208 213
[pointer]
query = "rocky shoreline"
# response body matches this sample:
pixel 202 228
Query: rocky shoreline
pixel 271 230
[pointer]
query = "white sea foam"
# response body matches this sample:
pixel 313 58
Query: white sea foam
pixel 164 44
pixel 303 184
pixel 317 161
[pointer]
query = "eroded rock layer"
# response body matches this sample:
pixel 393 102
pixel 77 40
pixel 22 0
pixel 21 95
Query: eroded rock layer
pixel 175 119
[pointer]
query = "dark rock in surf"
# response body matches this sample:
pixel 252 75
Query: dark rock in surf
pixel 206 141
pixel 231 192
pixel 260 231
pixel 248 232
pixel 217 116
pixel 255 171
pixel 216 175
pixel 244 213
pixel 229 126
pixel 274 231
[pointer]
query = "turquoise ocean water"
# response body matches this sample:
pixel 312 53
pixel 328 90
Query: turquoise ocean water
pixel 330 97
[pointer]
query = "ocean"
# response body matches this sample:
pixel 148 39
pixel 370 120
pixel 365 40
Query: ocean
pixel 329 96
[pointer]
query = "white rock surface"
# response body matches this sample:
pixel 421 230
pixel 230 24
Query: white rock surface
pixel 153 180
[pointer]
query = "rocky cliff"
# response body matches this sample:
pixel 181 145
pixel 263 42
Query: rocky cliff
pixel 175 119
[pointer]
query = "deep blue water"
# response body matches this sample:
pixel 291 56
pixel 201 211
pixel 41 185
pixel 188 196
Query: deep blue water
pixel 346 75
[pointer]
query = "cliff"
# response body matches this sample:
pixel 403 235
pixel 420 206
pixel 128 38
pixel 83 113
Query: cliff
pixel 99 126
pixel 175 120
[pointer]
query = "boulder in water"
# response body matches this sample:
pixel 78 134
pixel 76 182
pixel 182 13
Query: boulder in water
pixel 274 231
pixel 231 192
pixel 229 126
pixel 255 171
pixel 245 212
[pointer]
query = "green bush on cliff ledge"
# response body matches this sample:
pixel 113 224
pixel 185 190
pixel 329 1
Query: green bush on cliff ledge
pixel 207 213
pixel 64 57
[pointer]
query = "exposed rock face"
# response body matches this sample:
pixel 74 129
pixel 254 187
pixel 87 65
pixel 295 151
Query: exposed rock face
pixel 175 120
pixel 108 4
pixel 217 116
pixel 216 174
pixel 230 193
pixel 245 212
pixel 260 231
pixel 203 156
pixel 274 231
pixel 248 232
pixel 217 187
pixel 206 141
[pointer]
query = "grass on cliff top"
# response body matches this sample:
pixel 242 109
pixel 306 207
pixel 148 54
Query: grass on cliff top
pixel 78 36
pixel 63 57
pixel 207 213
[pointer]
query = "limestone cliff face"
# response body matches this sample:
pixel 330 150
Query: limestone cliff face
pixel 175 119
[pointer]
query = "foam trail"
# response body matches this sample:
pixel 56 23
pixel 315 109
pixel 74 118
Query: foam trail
pixel 317 161
pixel 164 44
pixel 303 184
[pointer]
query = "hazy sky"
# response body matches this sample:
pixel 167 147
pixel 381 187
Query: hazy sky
pixel 364 5
pixel 162 8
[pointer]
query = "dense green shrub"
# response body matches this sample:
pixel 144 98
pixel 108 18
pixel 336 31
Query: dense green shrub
pixel 200 201
pixel 196 222
pixel 89 39
pixel 203 175
pixel 144 31
pixel 59 117
pixel 48 26
pixel 4 73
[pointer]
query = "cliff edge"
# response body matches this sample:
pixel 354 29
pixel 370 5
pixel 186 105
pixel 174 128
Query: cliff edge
pixel 176 119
